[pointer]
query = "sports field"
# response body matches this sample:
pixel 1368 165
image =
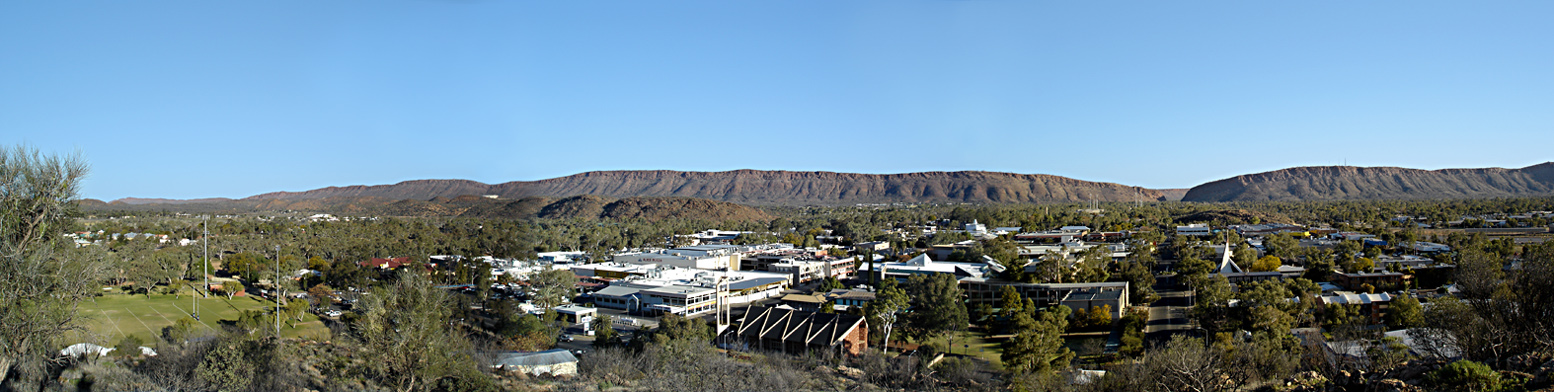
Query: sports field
pixel 116 315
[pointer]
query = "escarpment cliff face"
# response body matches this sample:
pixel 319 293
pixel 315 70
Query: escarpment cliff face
pixel 766 188
pixel 1361 183
pixel 586 207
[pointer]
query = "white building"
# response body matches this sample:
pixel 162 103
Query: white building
pixel 686 291
pixel 1069 248
pixel 810 270
pixel 1075 230
pixel 612 270
pixel 1195 230
pixel 976 229
pixel 708 257
pixel 1421 246
pixel 564 257
pixel 923 265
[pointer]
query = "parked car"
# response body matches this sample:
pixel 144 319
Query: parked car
pixel 566 338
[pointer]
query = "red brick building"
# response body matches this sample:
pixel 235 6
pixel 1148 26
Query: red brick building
pixel 797 331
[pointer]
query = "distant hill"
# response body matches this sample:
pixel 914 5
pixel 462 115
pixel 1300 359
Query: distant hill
pixel 1361 183
pixel 138 201
pixel 1173 194
pixel 90 203
pixel 1231 217
pixel 759 187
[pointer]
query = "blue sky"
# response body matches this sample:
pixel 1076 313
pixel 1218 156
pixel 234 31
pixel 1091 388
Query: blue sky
pixel 231 99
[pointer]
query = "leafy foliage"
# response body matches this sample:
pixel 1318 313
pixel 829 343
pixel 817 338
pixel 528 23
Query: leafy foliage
pixel 40 290
pixel 406 331
pixel 937 304
pixel 1037 345
pixel 1464 375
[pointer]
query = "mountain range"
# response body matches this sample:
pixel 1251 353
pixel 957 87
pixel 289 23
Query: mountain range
pixel 760 187
pixel 1372 183
pixel 664 193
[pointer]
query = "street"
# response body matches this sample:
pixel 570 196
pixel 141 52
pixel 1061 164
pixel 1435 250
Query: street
pixel 1169 315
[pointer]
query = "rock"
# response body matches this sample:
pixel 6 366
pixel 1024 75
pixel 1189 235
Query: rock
pixel 1308 381
pixel 1543 376
pixel 1413 371
pixel 1394 385
pixel 853 373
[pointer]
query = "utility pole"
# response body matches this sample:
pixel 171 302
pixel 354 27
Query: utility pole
pixel 205 243
pixel 206 268
pixel 278 294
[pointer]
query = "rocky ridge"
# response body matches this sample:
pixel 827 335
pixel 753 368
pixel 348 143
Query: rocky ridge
pixel 1370 183
pixel 759 187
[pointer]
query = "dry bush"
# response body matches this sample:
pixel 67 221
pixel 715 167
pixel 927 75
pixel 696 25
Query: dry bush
pixel 966 374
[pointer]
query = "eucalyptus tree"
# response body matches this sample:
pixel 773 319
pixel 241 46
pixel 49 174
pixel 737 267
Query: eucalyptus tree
pixel 41 286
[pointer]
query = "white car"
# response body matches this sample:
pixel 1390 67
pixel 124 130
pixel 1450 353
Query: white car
pixel 332 313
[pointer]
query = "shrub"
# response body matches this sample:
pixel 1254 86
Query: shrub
pixel 1464 375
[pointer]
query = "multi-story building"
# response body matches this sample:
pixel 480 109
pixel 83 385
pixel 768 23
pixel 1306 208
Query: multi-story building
pixel 687 292
pixel 1078 296
pixel 811 270
pixel 708 257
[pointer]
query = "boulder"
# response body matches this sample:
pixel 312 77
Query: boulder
pixel 1394 385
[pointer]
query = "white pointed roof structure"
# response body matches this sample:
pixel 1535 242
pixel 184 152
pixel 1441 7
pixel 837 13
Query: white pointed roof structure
pixel 1226 264
pixel 921 260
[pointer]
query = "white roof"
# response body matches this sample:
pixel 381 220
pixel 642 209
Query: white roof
pixel 85 348
pixel 993 264
pixel 681 290
pixel 618 290
pixel 925 264
pixel 1351 298
pixel 574 309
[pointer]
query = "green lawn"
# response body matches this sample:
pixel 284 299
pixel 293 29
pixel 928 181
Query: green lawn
pixel 987 348
pixel 990 348
pixel 116 315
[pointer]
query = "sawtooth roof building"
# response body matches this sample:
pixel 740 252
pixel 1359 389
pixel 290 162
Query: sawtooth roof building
pixel 796 331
